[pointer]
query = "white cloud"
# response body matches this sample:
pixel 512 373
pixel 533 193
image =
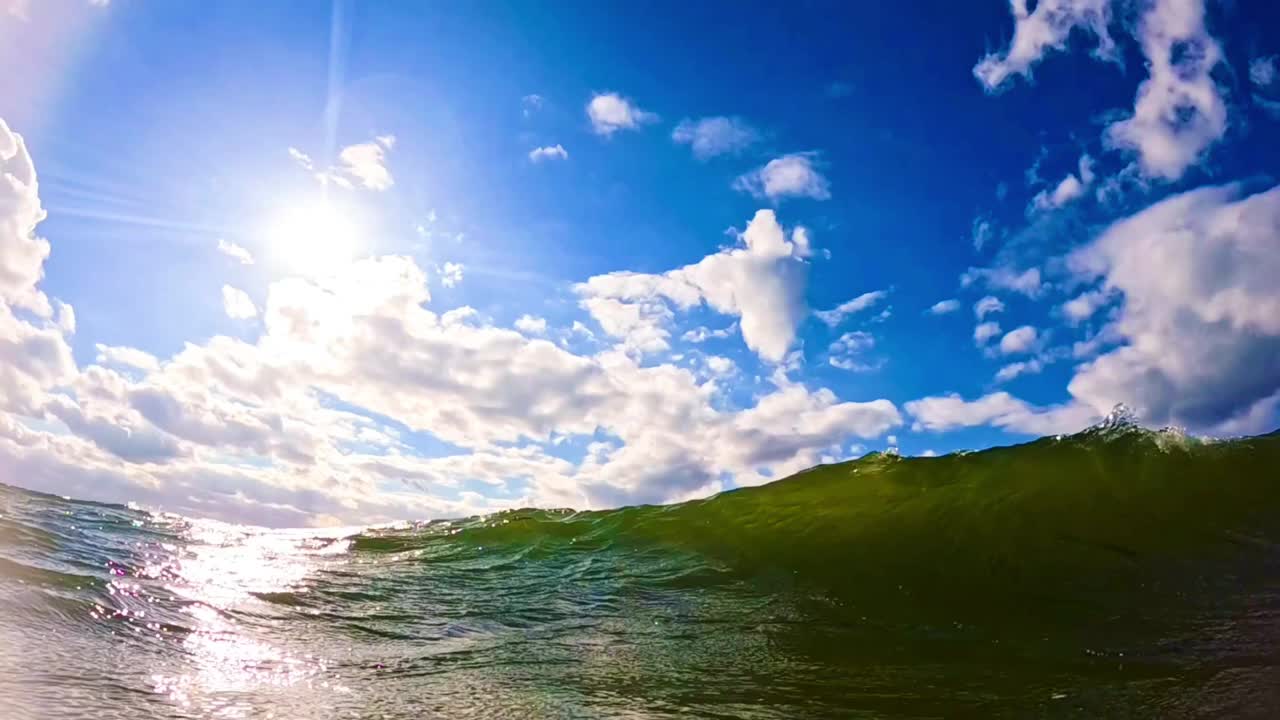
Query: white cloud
pixel 791 175
pixel 1263 70
pixel 610 112
pixel 1179 111
pixel 712 136
pixel 531 325
pixel 1263 74
pixel 987 306
pixel 235 252
pixel 237 304
pixel 837 315
pixel 22 252
pixel 1200 310
pixel 720 365
pixel 362 163
pixel 1017 369
pixel 1019 340
pixel 761 282
pixel 1047 28
pixel 120 356
pixel 251 431
pixel 984 332
pixel 549 152
pixel 1000 409
pixel 367 162
pixel 846 351
pixel 450 274
pixel 982 231
pixel 944 307
pixel 702 334
pixel 1070 188
pixel 1026 282
pixel 1083 306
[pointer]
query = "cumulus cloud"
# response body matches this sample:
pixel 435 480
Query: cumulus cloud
pixel 363 164
pixel 367 163
pixel 761 282
pixel 1179 111
pixel 450 274
pixel 1043 30
pixel 127 357
pixel 237 304
pixel 1263 75
pixel 1019 340
pixel 1199 317
pixel 1083 306
pixel 987 306
pixel 703 334
pixel 847 350
pixel 712 136
pixel 24 253
pixel 793 175
pixel 235 252
pixel 944 307
pixel 1068 189
pixel 837 314
pixel 1018 369
pixel 1026 282
pixel 999 409
pixel 549 152
pixel 983 333
pixel 531 325
pixel 610 112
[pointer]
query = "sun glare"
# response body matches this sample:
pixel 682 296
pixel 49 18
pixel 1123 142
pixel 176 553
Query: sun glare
pixel 315 239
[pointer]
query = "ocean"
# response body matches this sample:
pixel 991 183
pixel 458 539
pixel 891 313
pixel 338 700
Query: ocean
pixel 1115 573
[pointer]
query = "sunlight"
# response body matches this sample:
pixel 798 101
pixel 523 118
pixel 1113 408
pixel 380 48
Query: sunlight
pixel 315 239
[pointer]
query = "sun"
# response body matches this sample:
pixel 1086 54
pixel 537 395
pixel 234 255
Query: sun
pixel 313 239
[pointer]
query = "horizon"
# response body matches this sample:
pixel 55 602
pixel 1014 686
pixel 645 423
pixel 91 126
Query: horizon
pixel 347 264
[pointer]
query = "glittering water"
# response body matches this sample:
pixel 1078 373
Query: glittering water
pixel 1117 573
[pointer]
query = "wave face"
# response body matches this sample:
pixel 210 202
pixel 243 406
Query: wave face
pixel 1114 573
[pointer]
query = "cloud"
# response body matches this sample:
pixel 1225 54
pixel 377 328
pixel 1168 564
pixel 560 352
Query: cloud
pixel 1046 28
pixel 944 307
pixel 1263 70
pixel 237 304
pixel 984 332
pixel 1017 369
pixel 1000 409
pixel 1179 111
pixel 366 163
pixel 235 252
pixel 1263 74
pixel 549 152
pixel 530 104
pixel 761 282
pixel 610 112
pixel 845 352
pixel 1019 340
pixel 982 232
pixel 791 175
pixel 530 325
pixel 712 136
pixel 305 423
pixel 1083 306
pixel 450 274
pixel 1026 282
pixel 987 306
pixel 1199 316
pixel 837 314
pixel 22 252
pixel 702 334
pixel 1068 189
pixel 127 357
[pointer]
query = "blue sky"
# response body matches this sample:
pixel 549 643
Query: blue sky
pixel 349 262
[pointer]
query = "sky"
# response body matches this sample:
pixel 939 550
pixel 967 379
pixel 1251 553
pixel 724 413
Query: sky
pixel 333 263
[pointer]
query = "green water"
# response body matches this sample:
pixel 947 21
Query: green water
pixel 1115 573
